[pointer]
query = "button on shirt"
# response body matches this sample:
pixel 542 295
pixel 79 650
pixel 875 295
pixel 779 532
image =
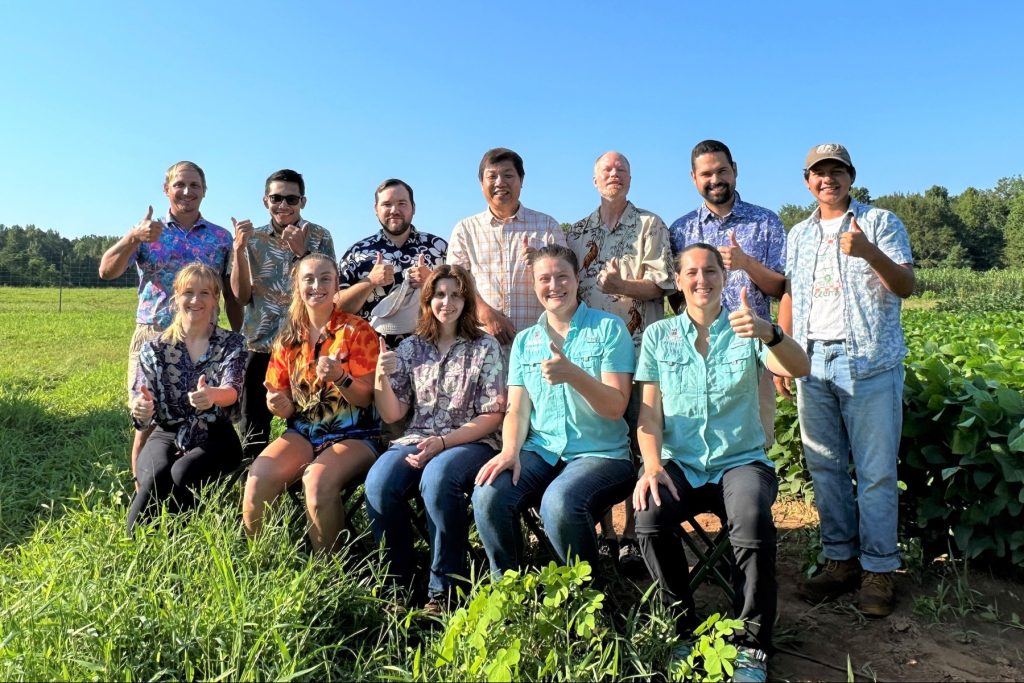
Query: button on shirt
pixel 760 234
pixel 563 425
pixel 270 265
pixel 358 261
pixel 159 262
pixel 640 242
pixel 874 341
pixel 710 405
pixel 492 249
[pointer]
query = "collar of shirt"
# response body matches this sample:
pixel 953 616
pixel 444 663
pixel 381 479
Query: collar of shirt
pixel 689 327
pixel 628 217
pixel 855 209
pixel 739 210
pixel 574 323
pixel 414 236
pixel 495 221
pixel 200 222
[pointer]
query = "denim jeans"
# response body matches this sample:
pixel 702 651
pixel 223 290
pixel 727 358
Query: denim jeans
pixel 444 484
pixel 840 416
pixel 572 496
pixel 743 500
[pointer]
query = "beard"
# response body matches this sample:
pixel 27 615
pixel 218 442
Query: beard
pixel 397 232
pixel 724 196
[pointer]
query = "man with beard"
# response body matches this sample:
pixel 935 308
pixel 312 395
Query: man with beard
pixel 373 267
pixel 750 238
pixel 261 279
pixel 625 269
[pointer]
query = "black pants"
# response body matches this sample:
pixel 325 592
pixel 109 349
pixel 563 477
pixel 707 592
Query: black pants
pixel 255 423
pixel 743 498
pixel 166 474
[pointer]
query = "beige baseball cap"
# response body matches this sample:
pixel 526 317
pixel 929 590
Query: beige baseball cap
pixel 827 151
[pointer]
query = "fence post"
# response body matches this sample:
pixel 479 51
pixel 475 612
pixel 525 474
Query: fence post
pixel 60 283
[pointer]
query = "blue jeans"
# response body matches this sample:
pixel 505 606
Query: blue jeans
pixel 572 495
pixel 840 416
pixel 444 484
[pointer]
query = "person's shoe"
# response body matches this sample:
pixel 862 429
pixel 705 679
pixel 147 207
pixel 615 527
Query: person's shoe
pixel 678 660
pixel 631 561
pixel 608 550
pixel 877 594
pixel 751 665
pixel 838 577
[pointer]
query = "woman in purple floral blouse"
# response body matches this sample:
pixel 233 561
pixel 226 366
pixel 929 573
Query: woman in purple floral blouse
pixel 188 384
pixel 452 375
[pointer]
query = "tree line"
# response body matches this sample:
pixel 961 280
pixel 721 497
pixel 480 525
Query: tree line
pixel 978 229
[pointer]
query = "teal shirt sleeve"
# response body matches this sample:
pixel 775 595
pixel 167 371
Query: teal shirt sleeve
pixel 647 365
pixel 619 355
pixel 515 364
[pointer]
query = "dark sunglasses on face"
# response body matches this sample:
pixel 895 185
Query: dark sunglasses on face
pixel 292 199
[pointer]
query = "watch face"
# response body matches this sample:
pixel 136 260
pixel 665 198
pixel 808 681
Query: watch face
pixel 347 382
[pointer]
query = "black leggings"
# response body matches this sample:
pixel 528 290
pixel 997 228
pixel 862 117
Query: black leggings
pixel 163 475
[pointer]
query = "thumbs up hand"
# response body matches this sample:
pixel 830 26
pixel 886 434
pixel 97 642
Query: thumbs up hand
pixel 295 237
pixel 526 251
pixel 278 403
pixel 608 280
pixel 243 231
pixel 733 255
pixel 146 230
pixel 746 323
pixel 854 242
pixel 418 274
pixel 387 361
pixel 382 274
pixel 331 368
pixel 558 369
pixel 200 398
pixel 143 406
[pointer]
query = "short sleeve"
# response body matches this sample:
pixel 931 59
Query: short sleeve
pixel 657 259
pixel 619 354
pixel 401 379
pixel 277 368
pixel 515 361
pixel 347 271
pixel 363 347
pixel 775 258
pixel 647 364
pixel 232 374
pixel 457 254
pixel 892 239
pixel 492 389
pixel 147 373
pixel 326 244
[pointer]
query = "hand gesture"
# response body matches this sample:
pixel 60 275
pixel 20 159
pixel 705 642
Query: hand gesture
pixel 147 230
pixel 746 323
pixel 854 242
pixel 382 274
pixel 331 368
pixel 278 403
pixel 243 231
pixel 418 274
pixel 200 398
pixel 428 448
pixel 143 406
pixel 526 252
pixel 649 482
pixel 558 369
pixel 387 361
pixel 733 255
pixel 295 238
pixel 496 465
pixel 497 324
pixel 608 280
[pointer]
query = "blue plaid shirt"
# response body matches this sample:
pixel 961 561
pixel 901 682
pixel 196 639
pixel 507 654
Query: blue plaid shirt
pixel 874 340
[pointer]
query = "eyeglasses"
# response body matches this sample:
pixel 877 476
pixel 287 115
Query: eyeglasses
pixel 292 199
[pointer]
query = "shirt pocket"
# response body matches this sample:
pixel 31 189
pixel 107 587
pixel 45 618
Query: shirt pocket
pixel 589 357
pixel 672 373
pixel 734 364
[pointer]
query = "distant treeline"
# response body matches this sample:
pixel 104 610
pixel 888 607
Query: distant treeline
pixel 979 229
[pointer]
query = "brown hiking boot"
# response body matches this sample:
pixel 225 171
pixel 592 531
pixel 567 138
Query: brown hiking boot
pixel 876 596
pixel 838 577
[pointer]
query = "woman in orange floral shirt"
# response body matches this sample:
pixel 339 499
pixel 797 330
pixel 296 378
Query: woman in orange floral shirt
pixel 320 379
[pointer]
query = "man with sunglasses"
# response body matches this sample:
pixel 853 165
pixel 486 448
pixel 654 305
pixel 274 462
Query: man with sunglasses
pixel 261 280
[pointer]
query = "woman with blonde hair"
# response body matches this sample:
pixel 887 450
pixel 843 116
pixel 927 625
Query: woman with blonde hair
pixel 320 380
pixel 452 376
pixel 187 385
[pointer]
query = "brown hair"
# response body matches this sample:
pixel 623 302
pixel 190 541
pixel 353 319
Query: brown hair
pixel 207 276
pixel 173 171
pixel 468 325
pixel 296 324
pixel 706 247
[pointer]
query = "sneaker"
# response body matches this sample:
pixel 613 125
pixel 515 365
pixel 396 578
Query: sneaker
pixel 608 549
pixel 838 577
pixel 877 594
pixel 751 665
pixel 631 561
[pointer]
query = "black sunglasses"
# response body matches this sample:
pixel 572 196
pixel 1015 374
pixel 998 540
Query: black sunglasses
pixel 292 199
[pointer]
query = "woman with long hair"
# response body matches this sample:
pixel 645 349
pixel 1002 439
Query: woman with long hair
pixel 320 380
pixel 187 387
pixel 452 376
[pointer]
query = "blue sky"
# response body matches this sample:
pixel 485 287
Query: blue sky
pixel 99 98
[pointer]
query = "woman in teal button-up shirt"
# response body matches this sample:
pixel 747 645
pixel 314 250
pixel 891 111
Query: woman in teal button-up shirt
pixel 703 445
pixel 564 442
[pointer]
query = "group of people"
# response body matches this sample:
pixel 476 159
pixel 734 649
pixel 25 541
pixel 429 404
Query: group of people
pixel 535 368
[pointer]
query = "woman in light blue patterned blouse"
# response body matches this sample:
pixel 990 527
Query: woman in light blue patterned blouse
pixel 452 375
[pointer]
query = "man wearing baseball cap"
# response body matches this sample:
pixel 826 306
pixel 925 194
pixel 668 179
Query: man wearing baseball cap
pixel 849 267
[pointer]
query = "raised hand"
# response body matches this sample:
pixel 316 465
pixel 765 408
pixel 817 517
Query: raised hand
pixel 382 274
pixel 147 230
pixel 278 402
pixel 526 252
pixel 558 369
pixel 418 274
pixel 295 238
pixel 331 368
pixel 608 280
pixel 733 255
pixel 200 398
pixel 243 231
pixel 746 323
pixel 497 324
pixel 387 361
pixel 143 405
pixel 854 242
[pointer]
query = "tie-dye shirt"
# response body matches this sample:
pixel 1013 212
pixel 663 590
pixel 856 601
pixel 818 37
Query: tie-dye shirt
pixel 167 370
pixel 322 415
pixel 159 262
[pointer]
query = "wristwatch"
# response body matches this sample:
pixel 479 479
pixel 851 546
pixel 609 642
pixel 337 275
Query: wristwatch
pixel 346 381
pixel 777 335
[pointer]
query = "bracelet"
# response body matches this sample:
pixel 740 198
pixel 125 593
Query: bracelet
pixel 444 446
